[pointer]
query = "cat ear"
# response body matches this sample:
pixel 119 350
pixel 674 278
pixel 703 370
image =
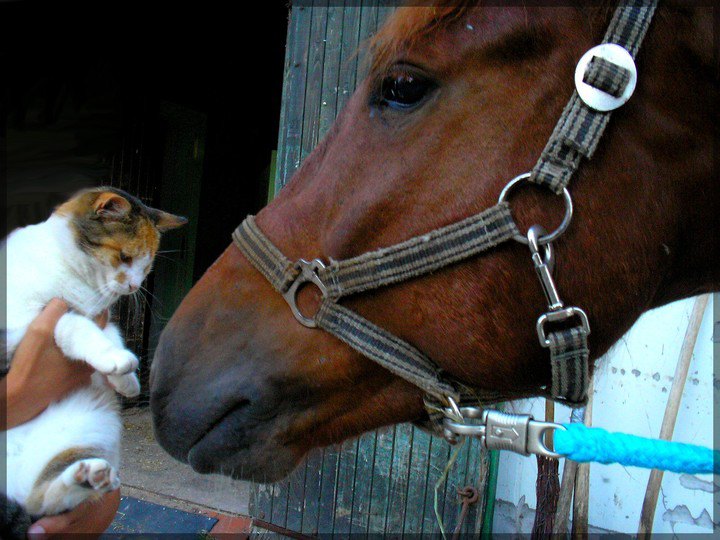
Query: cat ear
pixel 111 206
pixel 165 221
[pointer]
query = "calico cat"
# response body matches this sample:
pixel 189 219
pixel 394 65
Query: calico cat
pixel 93 249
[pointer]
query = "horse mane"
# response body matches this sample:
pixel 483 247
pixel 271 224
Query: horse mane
pixel 407 25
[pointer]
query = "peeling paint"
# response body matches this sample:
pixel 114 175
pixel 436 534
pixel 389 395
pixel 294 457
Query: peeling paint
pixel 681 514
pixel 690 481
pixel 511 518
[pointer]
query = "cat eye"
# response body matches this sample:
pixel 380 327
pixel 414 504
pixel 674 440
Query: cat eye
pixel 403 90
pixel 124 258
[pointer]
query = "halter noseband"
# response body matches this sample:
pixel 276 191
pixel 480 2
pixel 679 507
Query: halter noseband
pixel 605 79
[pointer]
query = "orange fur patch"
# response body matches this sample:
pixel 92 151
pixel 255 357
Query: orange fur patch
pixel 133 233
pixel 407 25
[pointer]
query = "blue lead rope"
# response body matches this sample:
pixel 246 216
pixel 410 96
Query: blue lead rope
pixel 585 444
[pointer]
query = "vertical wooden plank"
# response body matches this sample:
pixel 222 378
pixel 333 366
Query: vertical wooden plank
pixel 291 113
pixel 439 453
pixel 457 479
pixel 279 506
pixel 260 503
pixel 363 482
pixel 296 498
pixel 348 55
pixel 328 488
pixel 477 476
pixel 344 495
pixel 385 9
pixel 332 68
pixel 417 486
pixel 368 26
pixel 399 479
pixel 311 498
pixel 381 473
pixel 314 82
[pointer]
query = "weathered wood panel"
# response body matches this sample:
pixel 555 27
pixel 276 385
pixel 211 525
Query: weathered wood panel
pixel 382 481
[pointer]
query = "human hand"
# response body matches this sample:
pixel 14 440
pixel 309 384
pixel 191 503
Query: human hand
pixel 91 518
pixel 40 374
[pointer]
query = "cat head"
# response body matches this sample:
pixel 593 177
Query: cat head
pixel 119 234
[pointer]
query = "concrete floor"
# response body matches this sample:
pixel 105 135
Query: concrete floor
pixel 148 473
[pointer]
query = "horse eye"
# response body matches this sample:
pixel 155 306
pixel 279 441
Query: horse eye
pixel 124 258
pixel 403 91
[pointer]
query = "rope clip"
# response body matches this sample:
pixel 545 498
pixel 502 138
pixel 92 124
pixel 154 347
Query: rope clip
pixel 519 433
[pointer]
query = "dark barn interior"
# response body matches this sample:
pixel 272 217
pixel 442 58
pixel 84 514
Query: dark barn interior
pixel 177 105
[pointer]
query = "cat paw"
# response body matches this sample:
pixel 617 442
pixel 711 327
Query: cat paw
pixel 119 362
pixel 126 385
pixel 96 474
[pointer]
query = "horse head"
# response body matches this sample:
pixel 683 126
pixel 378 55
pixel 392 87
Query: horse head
pixel 457 101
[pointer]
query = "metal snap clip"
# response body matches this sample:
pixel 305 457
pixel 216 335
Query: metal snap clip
pixel 594 97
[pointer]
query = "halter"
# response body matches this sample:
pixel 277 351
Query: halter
pixel 605 79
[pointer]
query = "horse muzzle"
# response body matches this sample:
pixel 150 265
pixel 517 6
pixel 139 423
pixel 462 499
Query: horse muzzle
pixel 216 426
pixel 216 402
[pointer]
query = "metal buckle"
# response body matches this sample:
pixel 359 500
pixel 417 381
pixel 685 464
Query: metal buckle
pixel 519 433
pixel 308 274
pixel 546 239
pixel 594 97
pixel 560 315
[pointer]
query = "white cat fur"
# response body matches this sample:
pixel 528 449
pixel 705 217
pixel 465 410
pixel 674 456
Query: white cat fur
pixel 43 262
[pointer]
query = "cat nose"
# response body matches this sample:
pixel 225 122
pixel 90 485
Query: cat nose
pixel 132 288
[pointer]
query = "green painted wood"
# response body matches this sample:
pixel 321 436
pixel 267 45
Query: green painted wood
pixel 414 504
pixel 382 481
pixel 362 482
pixel 350 40
pixel 344 497
pixel 311 499
pixel 296 498
pixel 329 487
pixel 296 61
pixel 368 27
pixel 331 68
pixel 399 478
pixel 315 83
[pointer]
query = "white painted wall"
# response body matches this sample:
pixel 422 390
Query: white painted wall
pixel 631 388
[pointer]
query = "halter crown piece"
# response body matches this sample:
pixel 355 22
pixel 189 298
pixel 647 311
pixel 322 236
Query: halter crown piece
pixel 605 79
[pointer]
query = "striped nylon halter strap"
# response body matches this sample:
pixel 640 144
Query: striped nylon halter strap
pixel 605 78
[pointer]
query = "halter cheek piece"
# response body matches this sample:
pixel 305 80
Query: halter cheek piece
pixel 605 79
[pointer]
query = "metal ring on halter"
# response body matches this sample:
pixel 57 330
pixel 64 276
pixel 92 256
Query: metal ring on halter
pixel 308 274
pixel 557 232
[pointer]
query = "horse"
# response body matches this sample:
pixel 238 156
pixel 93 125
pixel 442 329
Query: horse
pixel 458 99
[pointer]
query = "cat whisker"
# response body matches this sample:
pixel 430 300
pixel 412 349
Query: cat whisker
pixel 155 298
